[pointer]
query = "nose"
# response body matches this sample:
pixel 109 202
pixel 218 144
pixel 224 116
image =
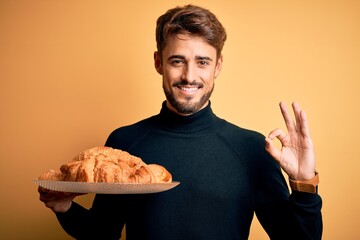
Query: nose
pixel 189 73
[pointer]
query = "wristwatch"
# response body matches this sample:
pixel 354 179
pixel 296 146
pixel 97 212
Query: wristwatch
pixel 309 186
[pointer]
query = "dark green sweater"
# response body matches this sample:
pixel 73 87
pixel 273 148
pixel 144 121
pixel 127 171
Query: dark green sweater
pixel 226 176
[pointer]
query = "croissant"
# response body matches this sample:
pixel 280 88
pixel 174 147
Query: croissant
pixel 106 164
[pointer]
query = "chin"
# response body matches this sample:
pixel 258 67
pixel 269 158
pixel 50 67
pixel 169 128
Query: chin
pixel 188 107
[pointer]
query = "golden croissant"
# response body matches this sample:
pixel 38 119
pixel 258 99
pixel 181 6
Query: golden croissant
pixel 106 164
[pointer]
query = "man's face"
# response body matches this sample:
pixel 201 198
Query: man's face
pixel 189 67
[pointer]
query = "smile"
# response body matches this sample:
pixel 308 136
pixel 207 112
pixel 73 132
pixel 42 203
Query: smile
pixel 188 89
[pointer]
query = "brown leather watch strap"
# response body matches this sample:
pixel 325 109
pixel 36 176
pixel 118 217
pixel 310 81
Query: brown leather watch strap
pixel 305 186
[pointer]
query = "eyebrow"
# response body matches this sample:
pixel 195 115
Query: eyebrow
pixel 203 58
pixel 183 57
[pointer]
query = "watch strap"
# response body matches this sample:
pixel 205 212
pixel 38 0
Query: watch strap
pixel 309 186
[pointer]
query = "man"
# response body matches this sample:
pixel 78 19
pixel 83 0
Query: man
pixel 227 173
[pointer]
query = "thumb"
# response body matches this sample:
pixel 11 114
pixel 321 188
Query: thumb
pixel 272 150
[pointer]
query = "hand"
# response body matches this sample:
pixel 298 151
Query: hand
pixel 57 201
pixel 296 157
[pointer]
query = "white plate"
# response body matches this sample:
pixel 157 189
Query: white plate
pixel 106 188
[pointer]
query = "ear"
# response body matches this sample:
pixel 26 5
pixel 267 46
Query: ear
pixel 218 66
pixel 157 63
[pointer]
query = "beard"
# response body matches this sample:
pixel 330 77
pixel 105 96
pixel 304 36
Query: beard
pixel 187 106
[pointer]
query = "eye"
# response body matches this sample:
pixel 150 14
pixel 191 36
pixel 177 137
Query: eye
pixel 204 63
pixel 177 62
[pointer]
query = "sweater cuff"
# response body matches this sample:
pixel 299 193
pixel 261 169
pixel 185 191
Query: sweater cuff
pixel 306 200
pixel 70 213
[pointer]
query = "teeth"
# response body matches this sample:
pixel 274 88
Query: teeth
pixel 188 89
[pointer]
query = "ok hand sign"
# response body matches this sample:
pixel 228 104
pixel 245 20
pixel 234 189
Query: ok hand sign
pixel 296 156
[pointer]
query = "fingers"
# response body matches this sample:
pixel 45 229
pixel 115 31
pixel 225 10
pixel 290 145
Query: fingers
pixel 300 125
pixel 290 125
pixel 42 190
pixel 47 195
pixel 60 206
pixel 57 201
pixel 270 146
pixel 282 136
pixel 304 124
pixel 301 120
pixel 272 149
pixel 297 114
pixel 296 156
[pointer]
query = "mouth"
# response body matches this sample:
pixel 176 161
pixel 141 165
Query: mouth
pixel 188 89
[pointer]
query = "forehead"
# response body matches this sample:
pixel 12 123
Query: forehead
pixel 188 45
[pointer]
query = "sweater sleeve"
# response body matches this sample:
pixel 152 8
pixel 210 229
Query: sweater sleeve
pixel 99 222
pixel 75 221
pixel 307 213
pixel 284 215
pixel 281 214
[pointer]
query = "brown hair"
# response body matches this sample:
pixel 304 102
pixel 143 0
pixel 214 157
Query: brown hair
pixel 192 20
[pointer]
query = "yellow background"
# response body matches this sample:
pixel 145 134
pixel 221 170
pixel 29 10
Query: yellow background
pixel 72 71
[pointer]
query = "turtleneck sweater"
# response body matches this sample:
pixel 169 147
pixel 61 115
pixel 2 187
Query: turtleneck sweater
pixel 225 177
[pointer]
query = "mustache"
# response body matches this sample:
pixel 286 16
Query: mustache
pixel 185 83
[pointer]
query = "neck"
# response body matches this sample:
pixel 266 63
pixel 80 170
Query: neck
pixel 196 122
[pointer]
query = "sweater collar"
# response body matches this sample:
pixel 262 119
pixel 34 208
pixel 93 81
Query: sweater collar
pixel 196 122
